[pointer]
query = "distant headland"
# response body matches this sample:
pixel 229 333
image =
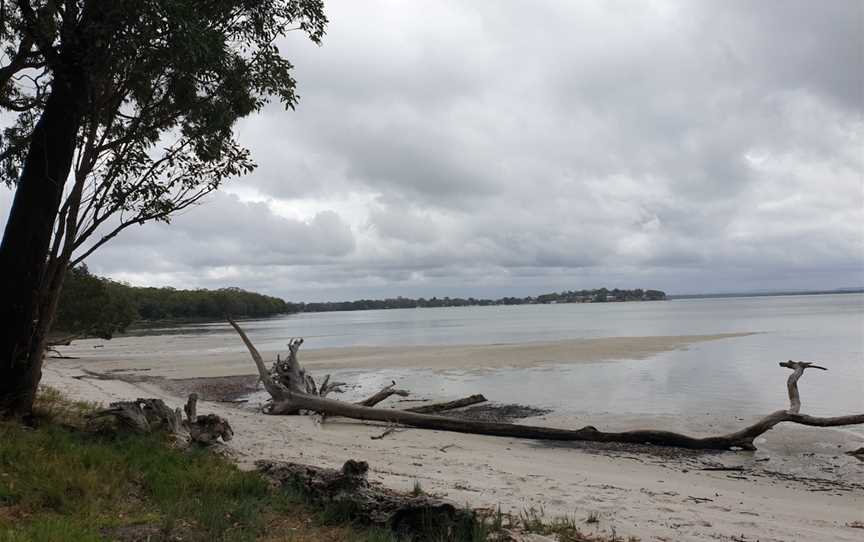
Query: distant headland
pixel 598 295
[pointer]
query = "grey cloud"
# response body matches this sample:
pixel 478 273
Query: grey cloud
pixel 397 222
pixel 473 148
pixel 225 232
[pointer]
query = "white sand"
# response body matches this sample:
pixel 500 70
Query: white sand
pixel 650 498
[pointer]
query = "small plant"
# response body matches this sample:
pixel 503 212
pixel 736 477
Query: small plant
pixel 417 489
pixel 498 520
pixel 563 528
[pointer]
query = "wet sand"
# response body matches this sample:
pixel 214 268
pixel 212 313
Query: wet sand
pixel 131 353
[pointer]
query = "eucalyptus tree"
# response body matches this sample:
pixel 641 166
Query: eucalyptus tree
pixel 118 113
pixel 91 306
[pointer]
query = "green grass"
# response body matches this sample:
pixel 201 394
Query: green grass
pixel 59 482
pixel 81 485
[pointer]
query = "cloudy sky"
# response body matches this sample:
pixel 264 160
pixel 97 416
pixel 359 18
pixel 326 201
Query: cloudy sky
pixel 513 148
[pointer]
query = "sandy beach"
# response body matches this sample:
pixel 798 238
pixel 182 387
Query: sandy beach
pixel 662 495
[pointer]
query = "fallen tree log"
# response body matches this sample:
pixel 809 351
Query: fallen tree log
pixel 368 503
pixel 742 439
pixel 293 400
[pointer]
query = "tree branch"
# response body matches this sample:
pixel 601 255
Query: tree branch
pixel 269 384
pixel 792 383
pixel 18 62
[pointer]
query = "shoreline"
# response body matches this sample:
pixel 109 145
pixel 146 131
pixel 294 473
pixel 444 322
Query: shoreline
pixel 131 353
pixel 653 494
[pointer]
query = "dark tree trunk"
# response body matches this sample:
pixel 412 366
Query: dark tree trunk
pixel 25 247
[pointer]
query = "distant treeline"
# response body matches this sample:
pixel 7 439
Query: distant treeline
pixel 99 307
pixel 600 295
pixel 168 303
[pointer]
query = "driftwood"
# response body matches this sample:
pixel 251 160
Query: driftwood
pixel 792 383
pixel 369 503
pixel 450 405
pixel 287 376
pixel 64 340
pixel 391 390
pixel 737 468
pixel 295 399
pixel 385 392
pixel 56 353
pixel 388 431
pixel 153 415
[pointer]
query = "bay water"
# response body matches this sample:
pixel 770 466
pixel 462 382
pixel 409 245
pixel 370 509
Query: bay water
pixel 732 376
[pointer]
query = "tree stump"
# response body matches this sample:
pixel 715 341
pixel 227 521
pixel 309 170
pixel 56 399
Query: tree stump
pixel 367 502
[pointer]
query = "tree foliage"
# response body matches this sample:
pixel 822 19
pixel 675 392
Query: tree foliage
pixel 157 133
pixel 92 306
pixel 116 113
pixel 168 303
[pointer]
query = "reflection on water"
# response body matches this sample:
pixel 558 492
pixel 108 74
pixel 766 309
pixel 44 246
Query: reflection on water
pixel 727 377
pixel 737 375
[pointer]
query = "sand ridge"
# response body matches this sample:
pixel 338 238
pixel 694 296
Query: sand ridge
pixel 194 360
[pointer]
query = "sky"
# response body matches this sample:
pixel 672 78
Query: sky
pixel 495 148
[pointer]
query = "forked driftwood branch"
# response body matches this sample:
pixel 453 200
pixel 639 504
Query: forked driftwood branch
pixel 292 399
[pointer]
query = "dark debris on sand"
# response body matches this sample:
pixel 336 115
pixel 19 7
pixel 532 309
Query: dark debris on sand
pixel 228 389
pixel 497 412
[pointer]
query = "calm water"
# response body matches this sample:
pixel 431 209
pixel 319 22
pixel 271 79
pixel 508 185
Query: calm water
pixel 737 375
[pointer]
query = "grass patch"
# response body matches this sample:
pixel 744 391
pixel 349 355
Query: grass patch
pixel 70 485
pixel 60 482
pixel 564 528
pixel 51 407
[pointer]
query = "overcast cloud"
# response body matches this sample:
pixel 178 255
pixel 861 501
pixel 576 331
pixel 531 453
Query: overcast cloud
pixel 499 148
